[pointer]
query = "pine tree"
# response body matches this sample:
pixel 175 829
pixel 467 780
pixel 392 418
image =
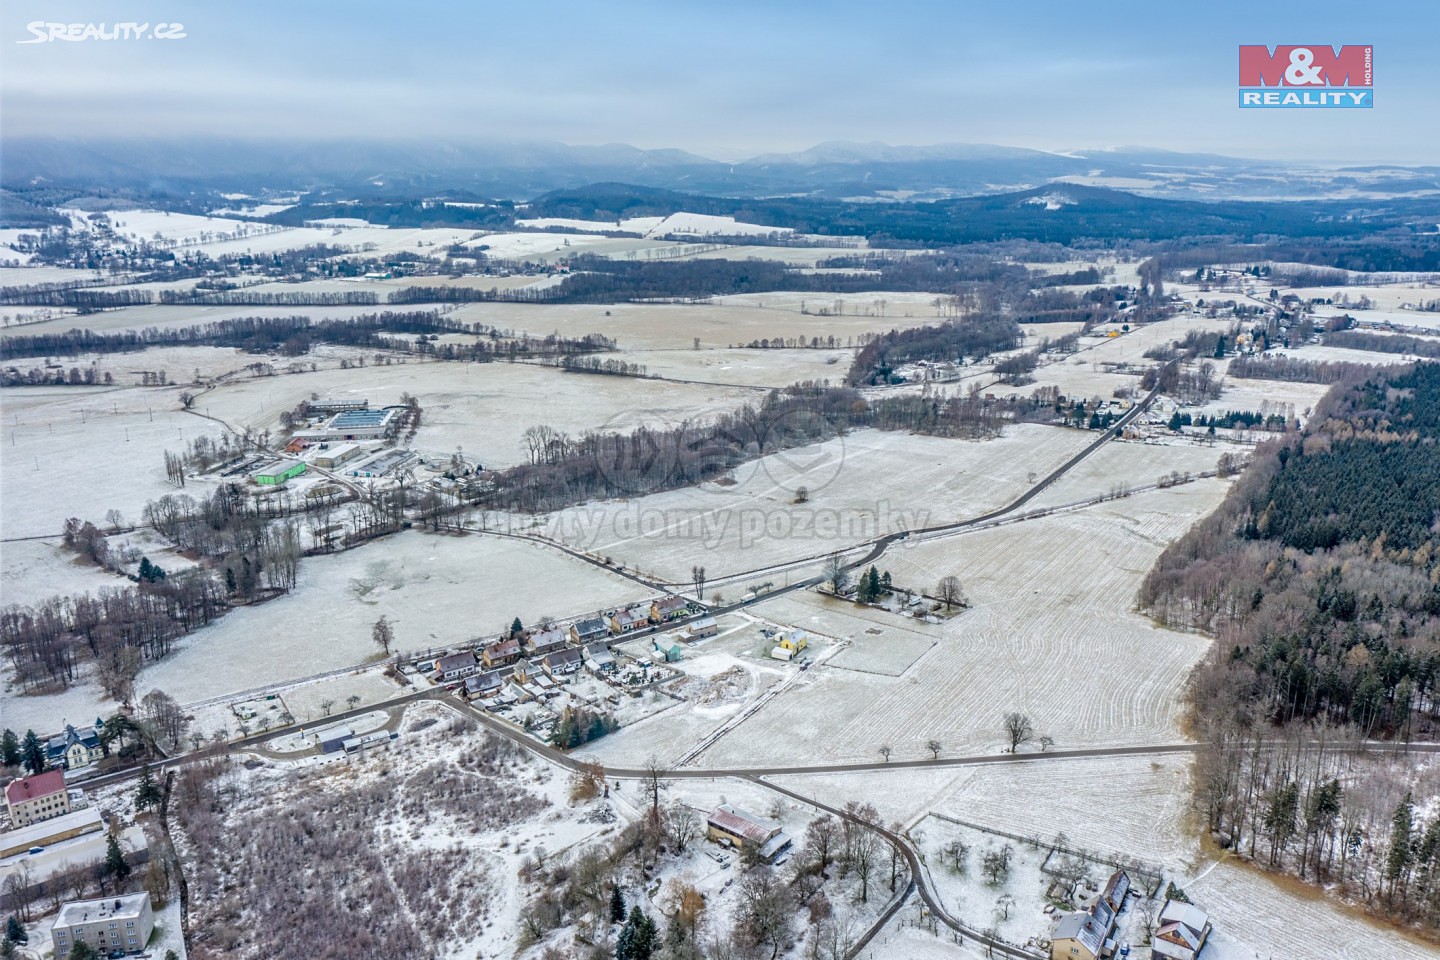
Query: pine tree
pixel 647 938
pixel 10 749
pixel 32 754
pixel 115 862
pixel 625 942
pixel 147 795
pixel 15 930
pixel 617 905
pixel 872 584
pixel 145 569
pixel 1399 857
pixel 516 628
pixel 885 585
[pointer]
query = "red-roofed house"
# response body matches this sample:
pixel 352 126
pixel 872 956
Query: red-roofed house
pixel 32 799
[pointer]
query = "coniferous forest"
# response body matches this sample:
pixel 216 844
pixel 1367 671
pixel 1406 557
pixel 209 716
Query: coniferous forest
pixel 1320 577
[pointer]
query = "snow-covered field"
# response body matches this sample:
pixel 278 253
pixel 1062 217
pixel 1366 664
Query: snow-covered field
pixel 1130 464
pixel 81 451
pixel 1051 633
pixel 436 591
pixel 860 486
pixel 32 571
pixel 484 408
pixel 760 368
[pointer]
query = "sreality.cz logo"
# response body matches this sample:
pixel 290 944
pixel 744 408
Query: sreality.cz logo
pixel 1307 75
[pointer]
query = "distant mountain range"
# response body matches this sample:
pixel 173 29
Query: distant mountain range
pixel 522 170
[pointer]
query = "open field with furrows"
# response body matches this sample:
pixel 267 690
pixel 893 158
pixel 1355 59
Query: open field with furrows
pixel 483 407
pixel 1131 464
pixel 436 590
pixel 1051 632
pixel 758 368
pixel 1255 917
pixel 81 451
pixel 875 304
pixel 675 325
pixel 860 486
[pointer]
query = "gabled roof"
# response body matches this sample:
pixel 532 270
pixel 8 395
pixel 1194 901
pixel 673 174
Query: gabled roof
pixel 1082 927
pixel 1116 888
pixel 547 640
pixel 744 825
pixel 563 658
pixel 667 604
pixel 456 661
pixel 592 626
pixel 40 785
pixel 1189 915
pixel 504 648
pixel 489 680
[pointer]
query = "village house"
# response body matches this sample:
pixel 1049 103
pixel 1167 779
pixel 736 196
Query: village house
pixel 668 608
pixel 704 627
pixel 627 621
pixel 32 799
pixel 737 828
pixel 457 666
pixel 562 663
pixel 599 659
pixel 501 652
pixel 585 632
pixel 1086 934
pixel 547 641
pixel 793 641
pixel 483 686
pixel 1078 936
pixel 74 748
pixel 1182 932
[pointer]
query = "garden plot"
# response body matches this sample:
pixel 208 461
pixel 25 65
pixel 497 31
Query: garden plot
pixel 33 571
pixel 86 450
pixel 1051 632
pixel 306 701
pixel 879 641
pixel 1011 903
pixel 1126 806
pixel 859 487
pixel 437 591
pixel 720 678
pixel 1129 464
pixel 673 326
pixel 1254 916
pixel 483 407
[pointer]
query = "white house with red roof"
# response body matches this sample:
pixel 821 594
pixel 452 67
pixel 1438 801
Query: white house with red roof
pixel 32 799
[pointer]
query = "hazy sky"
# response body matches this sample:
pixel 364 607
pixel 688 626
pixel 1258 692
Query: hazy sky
pixel 724 79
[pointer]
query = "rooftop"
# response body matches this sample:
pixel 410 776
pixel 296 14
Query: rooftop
pixel 127 907
pixel 44 784
pixel 744 825
pixel 360 418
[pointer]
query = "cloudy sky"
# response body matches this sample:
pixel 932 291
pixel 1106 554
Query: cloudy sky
pixel 724 79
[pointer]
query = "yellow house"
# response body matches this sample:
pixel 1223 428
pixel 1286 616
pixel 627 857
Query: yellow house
pixel 794 641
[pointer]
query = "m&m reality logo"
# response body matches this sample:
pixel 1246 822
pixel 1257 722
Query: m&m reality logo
pixel 1308 75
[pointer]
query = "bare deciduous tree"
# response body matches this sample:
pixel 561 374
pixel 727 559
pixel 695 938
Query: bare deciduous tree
pixel 949 592
pixel 1019 729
